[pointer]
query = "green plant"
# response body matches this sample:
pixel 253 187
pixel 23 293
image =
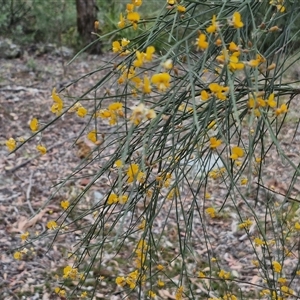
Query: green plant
pixel 194 127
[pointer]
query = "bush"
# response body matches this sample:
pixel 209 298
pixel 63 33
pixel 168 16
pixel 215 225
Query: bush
pixel 191 131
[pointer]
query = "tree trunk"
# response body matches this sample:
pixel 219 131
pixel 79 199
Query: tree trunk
pixel 86 17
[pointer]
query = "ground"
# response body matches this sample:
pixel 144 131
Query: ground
pixel 27 180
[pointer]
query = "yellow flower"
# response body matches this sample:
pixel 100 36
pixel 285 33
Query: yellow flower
pixel 65 204
pixel 224 275
pixel 281 280
pixel 181 9
pixel 60 292
pixel 115 106
pixel 116 47
pixel 244 181
pixel 133 173
pixel 11 144
pixel 161 80
pixel 168 64
pixel 150 114
pixel 201 275
pixel 121 23
pixel 214 142
pixel 18 255
pixel 146 85
pixel 297 225
pixel 142 225
pixel 151 294
pixel 70 272
pixel 253 63
pixel 214 26
pixel 179 293
pixel 201 42
pixel 34 124
pixel 211 212
pixel 235 64
pixel 171 2
pixel 236 20
pixel 236 152
pixel 84 294
pixel 281 110
pixel 58 105
pixel 218 90
pixel 52 225
pixel 265 292
pixel 104 114
pixel 258 242
pixel 119 163
pixel 204 95
pixel 133 17
pixel 149 53
pixel 276 266
pixel 120 281
pixel 160 283
pixel 123 199
pixel 161 267
pixel 271 102
pixel 129 7
pixel 112 198
pixel 92 136
pixel 139 59
pixel 233 47
pixel 229 296
pixel 42 149
pixel 81 112
pixel 245 224
pixel 24 236
pixel 278 4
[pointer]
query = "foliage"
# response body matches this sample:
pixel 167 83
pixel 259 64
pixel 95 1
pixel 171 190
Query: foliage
pixel 204 112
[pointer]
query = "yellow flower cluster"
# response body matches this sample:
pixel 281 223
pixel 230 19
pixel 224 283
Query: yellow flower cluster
pixel 114 198
pixel 120 47
pixel 257 102
pixel 58 104
pixel 216 173
pixel 141 113
pixel 70 272
pixel 132 17
pixel 112 113
pixel 134 173
pixel 131 279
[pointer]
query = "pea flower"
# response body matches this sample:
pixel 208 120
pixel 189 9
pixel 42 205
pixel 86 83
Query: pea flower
pixel 58 103
pixel 34 124
pixel 65 204
pixel 214 142
pixel 52 225
pixel 236 20
pixel 81 112
pixel 201 42
pixel 214 26
pixel 236 152
pixel 92 136
pixel 276 266
pixel 161 80
pixel 11 144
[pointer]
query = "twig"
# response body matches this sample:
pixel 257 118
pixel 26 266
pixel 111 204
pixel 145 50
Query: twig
pixel 24 163
pixel 28 193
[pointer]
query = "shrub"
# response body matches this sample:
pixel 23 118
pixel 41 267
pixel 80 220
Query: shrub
pixel 191 131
